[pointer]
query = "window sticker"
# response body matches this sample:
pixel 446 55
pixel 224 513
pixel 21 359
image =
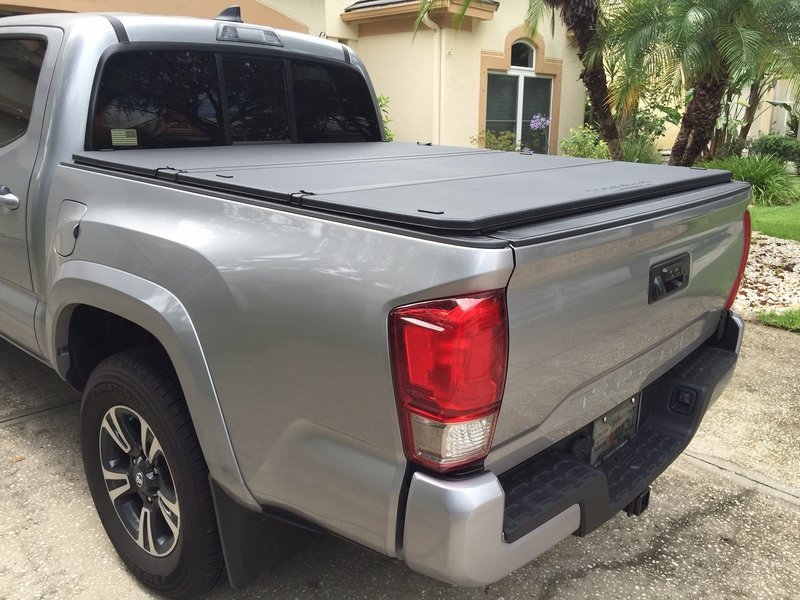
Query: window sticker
pixel 124 137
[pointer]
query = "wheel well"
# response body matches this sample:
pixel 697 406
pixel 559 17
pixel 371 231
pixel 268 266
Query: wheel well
pixel 96 334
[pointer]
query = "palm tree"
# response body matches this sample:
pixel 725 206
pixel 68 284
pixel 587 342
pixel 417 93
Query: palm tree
pixel 775 63
pixel 582 19
pixel 699 45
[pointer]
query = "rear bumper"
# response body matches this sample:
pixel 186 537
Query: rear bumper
pixel 474 531
pixel 454 531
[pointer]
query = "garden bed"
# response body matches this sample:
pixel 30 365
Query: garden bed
pixel 771 279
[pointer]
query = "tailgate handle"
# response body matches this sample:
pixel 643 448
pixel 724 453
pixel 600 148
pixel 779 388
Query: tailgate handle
pixel 668 277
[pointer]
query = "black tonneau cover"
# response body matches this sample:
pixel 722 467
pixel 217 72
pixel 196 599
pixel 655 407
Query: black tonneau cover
pixel 436 188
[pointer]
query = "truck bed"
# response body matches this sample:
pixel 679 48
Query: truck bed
pixel 433 188
pixel 585 235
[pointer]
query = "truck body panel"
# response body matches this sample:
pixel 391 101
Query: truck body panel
pixel 290 311
pixel 17 158
pixel 585 336
pixel 562 374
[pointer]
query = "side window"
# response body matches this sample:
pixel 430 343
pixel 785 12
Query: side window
pixel 20 65
pixel 257 103
pixel 333 104
pixel 158 99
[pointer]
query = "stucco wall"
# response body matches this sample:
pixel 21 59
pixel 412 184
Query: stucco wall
pixel 403 71
pixel 774 119
pixel 321 16
pixel 460 85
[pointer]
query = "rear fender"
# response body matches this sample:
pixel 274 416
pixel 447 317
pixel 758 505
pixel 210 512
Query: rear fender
pixel 158 311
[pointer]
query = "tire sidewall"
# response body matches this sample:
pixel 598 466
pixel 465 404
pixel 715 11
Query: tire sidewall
pixel 114 386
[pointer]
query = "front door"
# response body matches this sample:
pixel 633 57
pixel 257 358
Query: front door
pixel 26 62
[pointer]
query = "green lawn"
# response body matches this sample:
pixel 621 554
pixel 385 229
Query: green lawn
pixel 789 319
pixel 782 222
pixel 777 221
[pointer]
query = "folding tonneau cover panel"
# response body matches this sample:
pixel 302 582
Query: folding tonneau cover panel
pixel 438 188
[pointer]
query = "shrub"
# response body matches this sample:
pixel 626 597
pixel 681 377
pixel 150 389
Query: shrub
pixel 779 145
pixel 730 146
pixel 783 147
pixel 772 184
pixel 640 149
pixel 383 104
pixel 492 140
pixel 584 142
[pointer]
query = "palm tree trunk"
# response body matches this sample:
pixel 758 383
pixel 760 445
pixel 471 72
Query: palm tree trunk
pixel 682 139
pixel 722 134
pixel 700 117
pixel 596 84
pixel 580 17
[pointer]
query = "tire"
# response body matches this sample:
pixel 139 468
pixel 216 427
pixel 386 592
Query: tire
pixel 147 474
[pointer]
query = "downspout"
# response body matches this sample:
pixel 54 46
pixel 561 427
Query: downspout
pixel 437 77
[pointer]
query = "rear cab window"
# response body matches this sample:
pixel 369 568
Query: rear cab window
pixel 20 65
pixel 256 93
pixel 332 104
pixel 172 99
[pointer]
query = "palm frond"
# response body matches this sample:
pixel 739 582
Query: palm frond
pixel 425 7
pixel 534 14
pixel 738 46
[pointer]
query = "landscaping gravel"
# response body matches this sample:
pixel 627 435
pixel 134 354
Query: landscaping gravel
pixel 772 277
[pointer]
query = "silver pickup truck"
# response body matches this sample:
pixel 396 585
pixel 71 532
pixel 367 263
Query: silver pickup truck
pixel 280 322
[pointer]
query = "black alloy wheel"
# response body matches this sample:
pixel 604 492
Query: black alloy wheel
pixel 139 481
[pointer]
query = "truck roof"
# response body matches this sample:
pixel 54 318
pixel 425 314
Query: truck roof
pixel 435 188
pixel 165 29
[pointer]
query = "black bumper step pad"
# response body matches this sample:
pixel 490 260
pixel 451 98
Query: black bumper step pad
pixel 551 482
pixel 543 489
pixel 554 482
pixel 636 464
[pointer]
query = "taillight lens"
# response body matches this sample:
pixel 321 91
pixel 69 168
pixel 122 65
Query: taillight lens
pixel 742 263
pixel 449 360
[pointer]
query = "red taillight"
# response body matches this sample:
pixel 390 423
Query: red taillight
pixel 743 263
pixel 449 362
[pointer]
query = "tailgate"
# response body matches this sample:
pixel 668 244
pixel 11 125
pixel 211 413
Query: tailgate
pixel 584 335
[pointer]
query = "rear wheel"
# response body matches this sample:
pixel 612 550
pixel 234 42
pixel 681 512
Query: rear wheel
pixel 147 475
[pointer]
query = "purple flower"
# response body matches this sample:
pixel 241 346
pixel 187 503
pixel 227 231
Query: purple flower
pixel 540 122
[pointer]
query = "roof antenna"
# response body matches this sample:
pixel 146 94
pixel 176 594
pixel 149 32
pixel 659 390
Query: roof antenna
pixel 232 14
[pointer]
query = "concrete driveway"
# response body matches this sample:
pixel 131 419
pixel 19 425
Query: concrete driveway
pixel 724 520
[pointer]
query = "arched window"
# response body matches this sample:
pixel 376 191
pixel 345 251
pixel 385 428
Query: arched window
pixel 519 100
pixel 522 55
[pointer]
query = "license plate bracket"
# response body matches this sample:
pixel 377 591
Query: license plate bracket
pixel 615 428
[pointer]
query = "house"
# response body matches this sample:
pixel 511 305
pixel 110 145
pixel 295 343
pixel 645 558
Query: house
pixel 446 83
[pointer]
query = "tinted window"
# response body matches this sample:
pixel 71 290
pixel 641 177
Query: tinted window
pixel 20 64
pixel 257 104
pixel 521 55
pixel 169 98
pixel 162 99
pixel 333 105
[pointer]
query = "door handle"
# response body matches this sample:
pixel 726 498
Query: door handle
pixel 8 200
